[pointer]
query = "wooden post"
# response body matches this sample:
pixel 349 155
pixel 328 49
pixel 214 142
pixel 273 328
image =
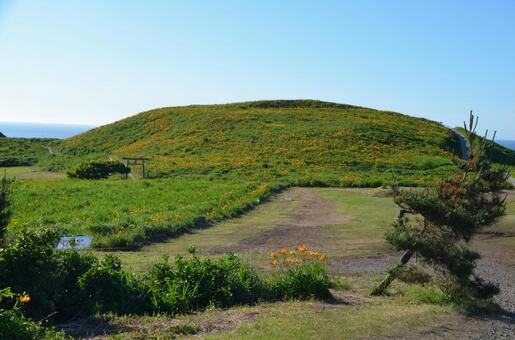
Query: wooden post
pixel 136 161
pixel 127 174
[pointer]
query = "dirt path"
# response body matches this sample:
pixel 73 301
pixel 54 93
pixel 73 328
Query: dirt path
pixel 464 145
pixel 303 225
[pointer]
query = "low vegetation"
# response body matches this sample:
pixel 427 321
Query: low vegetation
pixel 60 285
pixel 126 214
pixel 22 151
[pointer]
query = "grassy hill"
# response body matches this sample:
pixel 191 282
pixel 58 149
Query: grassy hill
pixel 293 141
pixel 23 151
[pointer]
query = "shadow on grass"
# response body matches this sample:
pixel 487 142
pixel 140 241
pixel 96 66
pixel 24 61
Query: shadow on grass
pixel 92 326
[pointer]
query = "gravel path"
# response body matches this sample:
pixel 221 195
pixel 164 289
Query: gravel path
pixel 464 145
pixel 501 325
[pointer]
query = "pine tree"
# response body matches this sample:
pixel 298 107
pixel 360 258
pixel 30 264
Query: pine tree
pixel 437 223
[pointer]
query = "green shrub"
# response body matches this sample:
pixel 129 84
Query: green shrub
pixel 192 284
pixel 413 274
pixel 305 281
pixel 113 289
pixel 97 169
pixel 431 295
pixel 62 284
pixel 50 277
pixel 14 325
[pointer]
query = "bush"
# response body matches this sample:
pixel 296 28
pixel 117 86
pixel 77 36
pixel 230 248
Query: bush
pixel 193 284
pixel 301 275
pixel 113 289
pixel 413 274
pixel 58 285
pixel 14 325
pixel 50 277
pixel 306 281
pixel 97 169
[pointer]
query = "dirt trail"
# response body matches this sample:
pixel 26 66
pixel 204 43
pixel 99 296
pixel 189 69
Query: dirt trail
pixel 305 224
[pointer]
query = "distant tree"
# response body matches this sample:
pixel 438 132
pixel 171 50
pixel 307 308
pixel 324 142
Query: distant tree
pixel 438 222
pixel 5 211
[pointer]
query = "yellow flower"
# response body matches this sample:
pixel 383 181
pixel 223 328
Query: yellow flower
pixel 292 252
pixel 303 248
pixel 292 261
pixel 274 262
pixel 273 254
pixel 282 251
pixel 24 298
pixel 323 258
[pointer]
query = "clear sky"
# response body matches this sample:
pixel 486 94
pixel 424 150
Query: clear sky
pixel 93 62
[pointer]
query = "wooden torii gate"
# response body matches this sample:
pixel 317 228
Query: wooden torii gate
pixel 136 161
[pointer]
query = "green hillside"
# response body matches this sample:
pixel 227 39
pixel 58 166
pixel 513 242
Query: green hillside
pixel 294 141
pixel 23 151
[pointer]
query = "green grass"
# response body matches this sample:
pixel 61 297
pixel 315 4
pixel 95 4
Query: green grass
pixel 364 317
pixel 29 172
pixel 293 142
pixel 125 213
pixel 309 321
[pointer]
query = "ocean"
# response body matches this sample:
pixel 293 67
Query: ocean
pixel 507 143
pixel 40 130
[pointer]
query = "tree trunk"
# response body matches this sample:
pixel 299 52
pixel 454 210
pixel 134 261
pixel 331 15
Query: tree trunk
pixel 383 286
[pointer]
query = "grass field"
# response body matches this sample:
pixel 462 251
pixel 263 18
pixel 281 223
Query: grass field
pixel 29 172
pixel 123 214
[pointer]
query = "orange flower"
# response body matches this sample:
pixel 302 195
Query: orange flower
pixel 273 254
pixel 282 251
pixel 290 261
pixel 323 258
pixel 24 298
pixel 303 248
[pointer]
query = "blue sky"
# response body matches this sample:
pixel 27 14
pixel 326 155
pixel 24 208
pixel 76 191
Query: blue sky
pixel 93 62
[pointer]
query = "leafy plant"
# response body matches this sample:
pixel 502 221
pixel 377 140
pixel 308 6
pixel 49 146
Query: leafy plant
pixel 300 274
pixel 193 283
pixel 97 169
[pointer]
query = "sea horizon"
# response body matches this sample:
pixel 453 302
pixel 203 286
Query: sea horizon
pixel 42 130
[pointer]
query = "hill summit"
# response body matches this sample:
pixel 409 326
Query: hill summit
pixel 295 141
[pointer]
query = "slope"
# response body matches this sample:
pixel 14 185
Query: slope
pixel 294 141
